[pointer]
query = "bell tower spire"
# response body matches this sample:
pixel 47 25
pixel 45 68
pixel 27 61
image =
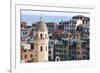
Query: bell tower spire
pixel 41 43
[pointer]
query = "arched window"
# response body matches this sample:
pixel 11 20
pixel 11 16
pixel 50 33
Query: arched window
pixel 31 55
pixel 41 49
pixel 41 36
pixel 45 35
pixel 25 56
pixel 45 48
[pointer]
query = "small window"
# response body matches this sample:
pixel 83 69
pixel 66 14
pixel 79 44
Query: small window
pixel 41 36
pixel 64 51
pixel 78 43
pixel 83 57
pixel 32 46
pixel 25 33
pixel 36 35
pixel 28 61
pixel 46 48
pixel 78 52
pixel 70 36
pixel 79 58
pixel 45 35
pixel 77 48
pixel 74 37
pixel 41 49
pixel 31 55
pixel 52 25
pixel 57 59
pixel 25 56
pixel 49 52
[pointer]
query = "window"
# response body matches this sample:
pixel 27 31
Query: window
pixel 77 48
pixel 49 58
pixel 83 57
pixel 25 56
pixel 78 52
pixel 64 51
pixel 84 52
pixel 66 30
pixel 74 52
pixel 74 37
pixel 41 36
pixel 62 56
pixel 46 48
pixel 28 40
pixel 61 46
pixel 32 60
pixel 41 49
pixel 61 50
pixel 52 26
pixel 69 36
pixel 29 61
pixel 87 57
pixel 65 25
pixel 36 35
pixel 50 37
pixel 49 52
pixel 32 46
pixel 25 32
pixel 49 47
pixel 45 35
pixel 78 43
pixel 31 55
pixel 66 35
pixel 64 46
pixel 87 48
pixel 57 59
pixel 51 42
pixel 79 58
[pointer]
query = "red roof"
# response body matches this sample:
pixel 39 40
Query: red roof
pixel 58 31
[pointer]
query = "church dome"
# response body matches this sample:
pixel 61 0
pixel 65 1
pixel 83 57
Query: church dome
pixel 41 26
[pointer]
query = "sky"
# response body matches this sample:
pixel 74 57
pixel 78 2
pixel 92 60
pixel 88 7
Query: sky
pixel 34 16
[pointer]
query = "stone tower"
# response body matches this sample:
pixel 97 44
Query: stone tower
pixel 41 41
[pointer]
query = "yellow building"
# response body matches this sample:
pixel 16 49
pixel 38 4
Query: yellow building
pixel 75 54
pixel 41 41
